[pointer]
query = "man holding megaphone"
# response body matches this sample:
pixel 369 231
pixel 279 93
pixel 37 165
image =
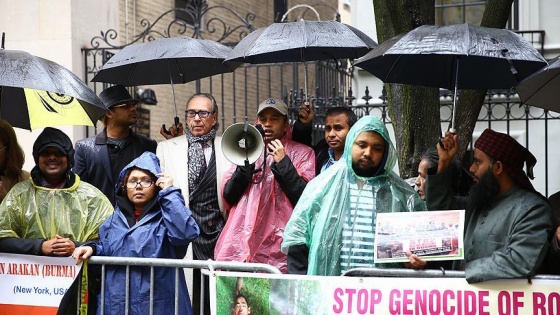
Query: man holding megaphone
pixel 260 203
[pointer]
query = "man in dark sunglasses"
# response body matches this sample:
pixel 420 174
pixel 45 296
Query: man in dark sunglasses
pixel 100 158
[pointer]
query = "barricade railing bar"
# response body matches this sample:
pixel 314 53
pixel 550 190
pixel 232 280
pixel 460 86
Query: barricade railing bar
pixel 405 273
pixel 426 273
pixel 178 264
pixel 183 263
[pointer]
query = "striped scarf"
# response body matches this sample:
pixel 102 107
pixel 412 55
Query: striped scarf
pixel 197 162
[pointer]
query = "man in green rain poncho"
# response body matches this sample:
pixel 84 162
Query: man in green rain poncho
pixel 332 228
pixel 53 212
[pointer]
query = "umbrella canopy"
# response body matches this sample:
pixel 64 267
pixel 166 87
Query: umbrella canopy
pixel 36 93
pixel 301 41
pixel 164 61
pixel 542 88
pixel 454 56
pixel 463 55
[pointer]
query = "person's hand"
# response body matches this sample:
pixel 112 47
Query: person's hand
pixel 174 131
pixel 306 113
pixel 82 253
pixel 277 150
pixel 58 246
pixel 415 262
pixel 164 181
pixel 447 149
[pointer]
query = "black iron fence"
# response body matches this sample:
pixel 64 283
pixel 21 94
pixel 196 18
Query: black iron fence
pixel 535 128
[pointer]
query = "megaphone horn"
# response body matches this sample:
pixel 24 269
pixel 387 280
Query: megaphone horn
pixel 241 142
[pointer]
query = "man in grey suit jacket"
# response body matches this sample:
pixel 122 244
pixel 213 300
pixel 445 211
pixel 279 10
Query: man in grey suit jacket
pixel 197 163
pixel 99 159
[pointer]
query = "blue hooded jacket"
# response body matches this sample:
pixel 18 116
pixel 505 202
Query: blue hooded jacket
pixel 164 230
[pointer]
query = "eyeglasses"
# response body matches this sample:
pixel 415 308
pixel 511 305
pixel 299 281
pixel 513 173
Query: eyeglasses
pixel 203 114
pixel 125 105
pixel 144 183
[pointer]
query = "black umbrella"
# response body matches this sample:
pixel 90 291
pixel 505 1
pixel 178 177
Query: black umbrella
pixel 166 61
pixel 36 93
pixel 542 88
pixel 454 56
pixel 301 41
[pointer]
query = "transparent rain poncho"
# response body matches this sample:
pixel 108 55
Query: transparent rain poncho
pixel 31 211
pixel 255 225
pixel 317 220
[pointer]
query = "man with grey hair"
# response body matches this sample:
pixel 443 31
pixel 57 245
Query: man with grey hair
pixel 198 164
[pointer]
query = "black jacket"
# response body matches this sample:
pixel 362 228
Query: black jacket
pixel 302 134
pixel 93 165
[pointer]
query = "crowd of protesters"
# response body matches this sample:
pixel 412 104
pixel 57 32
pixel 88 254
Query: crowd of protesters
pixel 183 191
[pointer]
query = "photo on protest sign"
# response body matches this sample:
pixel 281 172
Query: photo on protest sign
pixel 233 292
pixel 242 294
pixel 432 235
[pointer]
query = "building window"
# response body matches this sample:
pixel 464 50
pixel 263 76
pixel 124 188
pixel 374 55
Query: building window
pixel 459 11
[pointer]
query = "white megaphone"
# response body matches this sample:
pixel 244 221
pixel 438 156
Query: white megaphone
pixel 242 143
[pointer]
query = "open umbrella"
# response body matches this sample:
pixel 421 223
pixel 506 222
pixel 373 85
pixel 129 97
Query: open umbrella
pixel 301 41
pixel 166 61
pixel 36 93
pixel 454 56
pixel 542 88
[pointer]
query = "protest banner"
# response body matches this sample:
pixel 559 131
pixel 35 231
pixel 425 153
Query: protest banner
pixel 432 235
pixel 291 294
pixel 34 285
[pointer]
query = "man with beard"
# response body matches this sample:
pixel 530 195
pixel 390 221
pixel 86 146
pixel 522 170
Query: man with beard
pixel 337 210
pixel 507 222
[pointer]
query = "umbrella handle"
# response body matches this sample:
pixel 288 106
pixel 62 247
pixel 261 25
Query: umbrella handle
pixel 176 122
pixel 452 129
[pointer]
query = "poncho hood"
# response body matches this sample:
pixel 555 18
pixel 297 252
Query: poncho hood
pixel 148 162
pixel 52 137
pixel 370 123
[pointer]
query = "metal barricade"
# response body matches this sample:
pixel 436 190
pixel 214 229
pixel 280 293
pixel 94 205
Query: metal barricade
pixel 178 264
pixel 426 273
